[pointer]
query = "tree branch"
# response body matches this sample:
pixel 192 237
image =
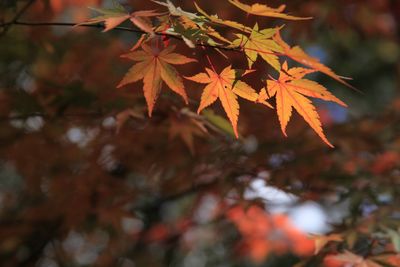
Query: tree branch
pixel 19 14
pixel 100 26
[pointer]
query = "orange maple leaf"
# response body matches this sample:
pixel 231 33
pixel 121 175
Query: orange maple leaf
pixel 226 87
pixel 291 91
pixel 154 67
pixel 266 11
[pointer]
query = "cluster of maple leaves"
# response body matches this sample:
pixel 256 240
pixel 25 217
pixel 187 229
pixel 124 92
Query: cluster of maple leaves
pixel 155 59
pixel 261 234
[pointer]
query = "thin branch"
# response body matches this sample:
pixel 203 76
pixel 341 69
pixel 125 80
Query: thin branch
pixel 23 10
pixel 70 24
pixel 16 17
pixel 127 29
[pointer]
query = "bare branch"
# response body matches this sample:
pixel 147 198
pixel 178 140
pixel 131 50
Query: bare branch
pixel 127 29
pixel 6 26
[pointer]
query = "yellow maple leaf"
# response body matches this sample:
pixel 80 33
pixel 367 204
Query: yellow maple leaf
pixel 260 43
pixel 154 67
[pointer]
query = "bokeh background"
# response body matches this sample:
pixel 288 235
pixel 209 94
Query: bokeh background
pixel 76 192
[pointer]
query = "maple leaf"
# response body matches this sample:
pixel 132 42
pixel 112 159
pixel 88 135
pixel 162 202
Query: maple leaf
pixel 266 11
pixel 186 128
pixel 140 19
pixel 260 43
pixel 117 15
pixel 110 17
pixel 226 87
pixel 154 67
pixel 291 91
pixel 297 54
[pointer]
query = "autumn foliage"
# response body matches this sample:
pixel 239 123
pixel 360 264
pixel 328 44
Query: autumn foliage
pixel 196 31
pixel 199 133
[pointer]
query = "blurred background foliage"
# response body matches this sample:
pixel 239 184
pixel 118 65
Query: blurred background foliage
pixel 74 191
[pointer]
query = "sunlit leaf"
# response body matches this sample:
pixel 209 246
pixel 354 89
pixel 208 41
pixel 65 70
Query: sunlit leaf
pixel 290 91
pixel 154 67
pixel 260 43
pixel 225 87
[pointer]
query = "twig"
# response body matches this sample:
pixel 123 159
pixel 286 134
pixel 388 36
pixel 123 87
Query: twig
pixel 127 29
pixel 16 17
